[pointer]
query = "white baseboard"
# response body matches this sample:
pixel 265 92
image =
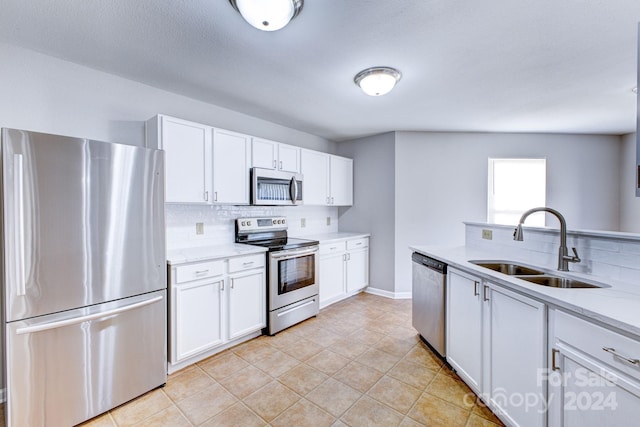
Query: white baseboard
pixel 388 294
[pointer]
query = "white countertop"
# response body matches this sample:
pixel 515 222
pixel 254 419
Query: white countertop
pixel 617 306
pixel 181 256
pixel 332 237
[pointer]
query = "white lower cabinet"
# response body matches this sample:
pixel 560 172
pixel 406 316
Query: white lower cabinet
pixel 357 270
pixel 344 269
pixel 332 286
pixel 496 341
pixel 464 327
pixel 198 317
pixel 213 305
pixel 515 355
pixel 247 305
pixel 594 374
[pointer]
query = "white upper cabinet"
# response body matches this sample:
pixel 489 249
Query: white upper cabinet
pixel 231 164
pixel 264 153
pixel 268 154
pixel 288 158
pixel 341 181
pixel 204 165
pixel 328 179
pixel 315 171
pixel 187 147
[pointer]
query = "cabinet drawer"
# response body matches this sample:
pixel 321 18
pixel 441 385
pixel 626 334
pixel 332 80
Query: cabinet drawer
pixel 330 248
pixel 201 270
pixel 246 262
pixel 358 243
pixel 593 340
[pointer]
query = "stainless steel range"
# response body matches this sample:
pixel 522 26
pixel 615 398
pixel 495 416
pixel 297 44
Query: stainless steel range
pixel 292 270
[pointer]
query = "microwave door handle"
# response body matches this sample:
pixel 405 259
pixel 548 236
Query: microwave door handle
pixel 293 190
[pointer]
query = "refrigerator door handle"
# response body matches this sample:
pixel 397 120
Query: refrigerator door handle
pixel 18 215
pixel 75 320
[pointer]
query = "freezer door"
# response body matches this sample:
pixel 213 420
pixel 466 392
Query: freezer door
pixel 69 367
pixel 83 222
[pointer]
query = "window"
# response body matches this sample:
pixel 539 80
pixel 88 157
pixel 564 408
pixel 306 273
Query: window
pixel 516 185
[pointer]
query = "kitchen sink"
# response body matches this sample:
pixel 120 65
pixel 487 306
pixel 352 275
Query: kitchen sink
pixel 508 268
pixel 561 282
pixel 535 276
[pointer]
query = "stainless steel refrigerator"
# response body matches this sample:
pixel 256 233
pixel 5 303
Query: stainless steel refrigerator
pixel 84 276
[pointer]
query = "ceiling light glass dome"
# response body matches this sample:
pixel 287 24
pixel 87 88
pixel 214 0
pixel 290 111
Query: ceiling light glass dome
pixel 268 15
pixel 377 81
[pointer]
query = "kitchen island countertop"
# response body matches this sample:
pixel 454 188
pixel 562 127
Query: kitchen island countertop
pixel 617 306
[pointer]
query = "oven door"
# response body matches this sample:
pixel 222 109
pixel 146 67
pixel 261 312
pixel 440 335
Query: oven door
pixel 293 276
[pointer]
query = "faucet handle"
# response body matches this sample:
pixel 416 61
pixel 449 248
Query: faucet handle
pixel 576 258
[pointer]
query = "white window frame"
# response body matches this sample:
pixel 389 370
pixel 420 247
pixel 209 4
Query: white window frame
pixel 521 205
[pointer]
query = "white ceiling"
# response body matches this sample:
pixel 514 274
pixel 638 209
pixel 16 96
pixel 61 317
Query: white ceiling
pixel 496 65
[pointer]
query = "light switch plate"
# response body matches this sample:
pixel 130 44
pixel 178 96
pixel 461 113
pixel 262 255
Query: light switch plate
pixel 199 227
pixel 328 220
pixel 303 222
pixel 487 234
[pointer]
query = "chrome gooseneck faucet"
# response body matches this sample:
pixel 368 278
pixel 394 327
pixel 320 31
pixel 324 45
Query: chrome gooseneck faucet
pixel 563 258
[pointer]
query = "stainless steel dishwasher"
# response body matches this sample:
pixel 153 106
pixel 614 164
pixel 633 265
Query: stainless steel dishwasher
pixel 428 302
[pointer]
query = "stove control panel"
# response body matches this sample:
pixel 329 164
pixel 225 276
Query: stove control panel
pixel 257 224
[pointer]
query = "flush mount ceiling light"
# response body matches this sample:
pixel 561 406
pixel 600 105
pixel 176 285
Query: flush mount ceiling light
pixel 268 15
pixel 377 81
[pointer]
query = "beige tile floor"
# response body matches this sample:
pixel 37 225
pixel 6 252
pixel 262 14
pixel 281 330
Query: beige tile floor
pixel 358 363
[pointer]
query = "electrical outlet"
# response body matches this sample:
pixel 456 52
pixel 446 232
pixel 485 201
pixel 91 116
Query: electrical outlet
pixel 487 234
pixel 328 220
pixel 199 227
pixel 303 222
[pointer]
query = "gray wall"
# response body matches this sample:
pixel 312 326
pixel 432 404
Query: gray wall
pixel 373 210
pixel 629 203
pixel 441 181
pixel 45 94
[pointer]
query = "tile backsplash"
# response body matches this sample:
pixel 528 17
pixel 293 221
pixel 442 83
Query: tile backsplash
pixel 219 222
pixel 604 254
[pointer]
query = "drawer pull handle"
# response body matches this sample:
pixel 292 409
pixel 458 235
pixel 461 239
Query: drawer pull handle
pixel 554 352
pixel 484 291
pixel 358 244
pixel 248 263
pixel 475 288
pixel 625 358
pixel 202 271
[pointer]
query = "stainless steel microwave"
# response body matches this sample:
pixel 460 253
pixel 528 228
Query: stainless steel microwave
pixel 272 187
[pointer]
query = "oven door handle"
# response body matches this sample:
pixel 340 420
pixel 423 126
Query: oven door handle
pixel 294 253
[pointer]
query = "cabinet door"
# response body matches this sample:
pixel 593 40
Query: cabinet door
pixel 341 181
pixel 464 327
pixel 516 355
pixel 231 164
pixel 187 147
pixel 357 270
pixel 198 318
pixel 315 171
pixel 586 392
pixel 247 304
pixel 332 285
pixel 264 153
pixel 288 158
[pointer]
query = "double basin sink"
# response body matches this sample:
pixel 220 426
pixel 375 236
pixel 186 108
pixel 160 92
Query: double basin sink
pixel 538 277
